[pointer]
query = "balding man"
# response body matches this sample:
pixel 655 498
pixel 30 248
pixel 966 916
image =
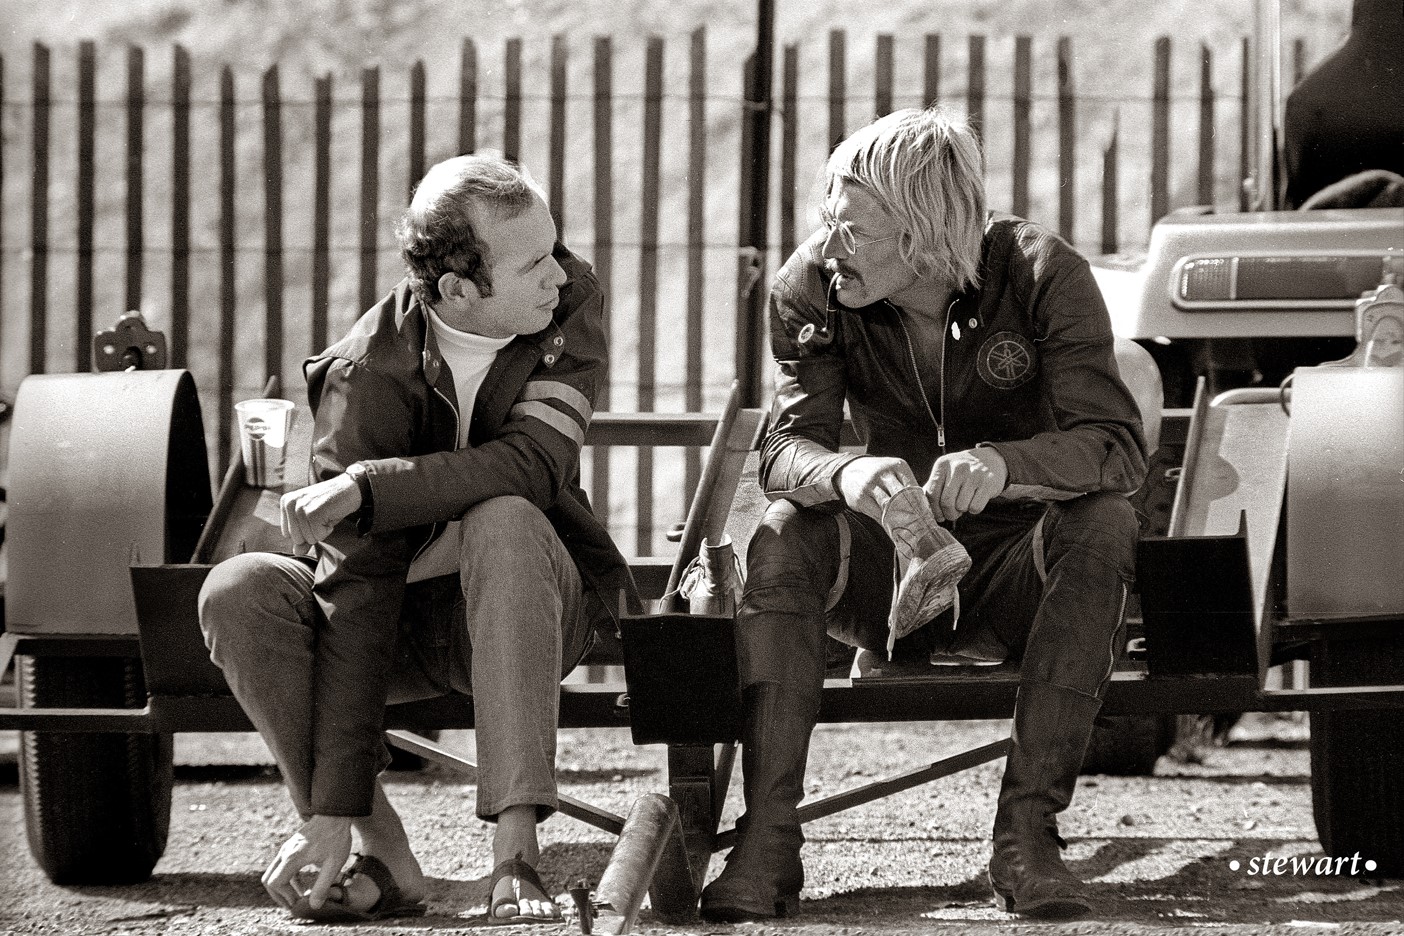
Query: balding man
pixel 454 548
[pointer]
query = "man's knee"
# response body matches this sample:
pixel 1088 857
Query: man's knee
pixel 244 588
pixel 1100 526
pixel 793 545
pixel 507 525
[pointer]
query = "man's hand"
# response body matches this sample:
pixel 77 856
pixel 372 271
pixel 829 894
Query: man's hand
pixel 964 482
pixel 309 514
pixel 867 483
pixel 323 842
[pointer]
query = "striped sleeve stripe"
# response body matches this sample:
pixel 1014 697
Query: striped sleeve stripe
pixel 552 417
pixel 564 392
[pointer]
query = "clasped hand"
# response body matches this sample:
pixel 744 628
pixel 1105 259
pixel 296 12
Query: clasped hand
pixel 960 483
pixel 323 842
pixel 310 513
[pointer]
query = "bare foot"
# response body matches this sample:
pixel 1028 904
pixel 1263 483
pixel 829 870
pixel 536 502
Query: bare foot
pixel 515 837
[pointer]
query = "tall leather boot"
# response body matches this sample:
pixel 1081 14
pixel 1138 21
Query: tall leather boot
pixel 763 874
pixel 1052 726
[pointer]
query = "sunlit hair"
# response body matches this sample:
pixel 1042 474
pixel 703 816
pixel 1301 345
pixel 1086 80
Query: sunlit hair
pixel 926 170
pixel 436 233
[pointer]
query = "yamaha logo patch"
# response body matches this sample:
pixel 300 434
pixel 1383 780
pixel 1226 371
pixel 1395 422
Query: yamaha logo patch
pixel 1006 360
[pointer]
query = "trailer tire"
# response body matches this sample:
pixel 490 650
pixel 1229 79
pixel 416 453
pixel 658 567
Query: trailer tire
pixel 97 805
pixel 1357 764
pixel 1128 745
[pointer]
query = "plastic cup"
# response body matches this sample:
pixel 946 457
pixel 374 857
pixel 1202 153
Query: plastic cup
pixel 263 439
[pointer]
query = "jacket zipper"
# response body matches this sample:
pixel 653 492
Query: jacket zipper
pixel 921 387
pixel 437 530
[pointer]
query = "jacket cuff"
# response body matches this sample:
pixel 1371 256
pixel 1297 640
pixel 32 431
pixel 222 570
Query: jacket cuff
pixel 365 514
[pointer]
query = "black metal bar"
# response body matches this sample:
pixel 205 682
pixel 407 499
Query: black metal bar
pixel 577 809
pixel 136 104
pixel 39 214
pixel 87 179
pixel 180 206
pixel 878 789
pixel 750 330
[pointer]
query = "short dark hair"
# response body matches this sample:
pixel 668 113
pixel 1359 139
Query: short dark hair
pixel 436 233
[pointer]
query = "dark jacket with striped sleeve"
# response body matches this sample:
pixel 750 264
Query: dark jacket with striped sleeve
pixel 383 396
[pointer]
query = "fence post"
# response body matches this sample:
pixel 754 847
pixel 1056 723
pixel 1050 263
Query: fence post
pixel 39 216
pixel 180 206
pixel 838 86
pixel 975 86
pixel 1245 124
pixel 556 186
pixel 1109 187
pixel 321 213
pixel 750 304
pixel 1206 125
pixel 883 69
pixel 416 128
pixel 931 70
pixel 1023 108
pixel 696 241
pixel 789 143
pixel 272 225
pixel 2 217
pixel 648 282
pixel 468 98
pixel 1160 133
pixel 512 103
pixel 227 284
pixel 1067 141
pixel 87 164
pixel 603 130
pixel 136 105
pixel 370 181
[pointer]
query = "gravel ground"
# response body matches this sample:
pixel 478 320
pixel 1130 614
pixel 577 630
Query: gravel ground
pixel 1158 850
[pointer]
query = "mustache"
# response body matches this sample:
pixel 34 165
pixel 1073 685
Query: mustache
pixel 838 269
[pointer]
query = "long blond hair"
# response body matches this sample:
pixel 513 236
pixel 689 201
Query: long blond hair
pixel 926 169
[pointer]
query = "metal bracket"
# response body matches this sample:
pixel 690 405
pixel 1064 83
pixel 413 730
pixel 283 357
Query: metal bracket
pixel 129 345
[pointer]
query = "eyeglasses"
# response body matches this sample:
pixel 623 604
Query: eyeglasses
pixel 846 237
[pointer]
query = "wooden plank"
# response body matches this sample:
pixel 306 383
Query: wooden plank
pixel 227 248
pixel 648 280
pixel 1205 191
pixel 1245 122
pixel 789 146
pixel 696 244
pixel 180 206
pixel 272 224
pixel 603 132
pixel 512 103
pixel 1109 189
pixel 838 86
pixel 39 215
pixel 87 170
pixel 1067 141
pixel 370 182
pixel 1160 132
pixel 416 128
pixel 136 109
pixel 1023 130
pixel 931 69
pixel 321 213
pixel 468 98
pixel 883 70
pixel 975 85
pixel 560 52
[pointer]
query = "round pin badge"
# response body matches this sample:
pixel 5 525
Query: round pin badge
pixel 1007 360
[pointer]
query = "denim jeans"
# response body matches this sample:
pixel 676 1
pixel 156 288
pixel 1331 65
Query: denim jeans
pixel 1047 586
pixel 506 629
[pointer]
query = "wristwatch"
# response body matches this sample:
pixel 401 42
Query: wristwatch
pixel 356 471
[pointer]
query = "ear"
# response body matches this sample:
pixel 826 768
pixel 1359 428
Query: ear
pixel 456 288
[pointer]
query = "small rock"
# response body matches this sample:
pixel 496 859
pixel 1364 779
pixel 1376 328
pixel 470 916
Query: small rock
pixel 1128 820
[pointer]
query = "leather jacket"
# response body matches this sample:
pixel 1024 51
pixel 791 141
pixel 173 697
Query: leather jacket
pixel 1026 367
pixel 383 396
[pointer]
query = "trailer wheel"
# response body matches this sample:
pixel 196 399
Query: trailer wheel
pixel 97 805
pixel 1128 745
pixel 1357 764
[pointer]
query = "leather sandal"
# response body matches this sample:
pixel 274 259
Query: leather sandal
pixel 390 904
pixel 520 872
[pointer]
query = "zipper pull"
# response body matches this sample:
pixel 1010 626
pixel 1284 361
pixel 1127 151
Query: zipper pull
pixel 941 436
